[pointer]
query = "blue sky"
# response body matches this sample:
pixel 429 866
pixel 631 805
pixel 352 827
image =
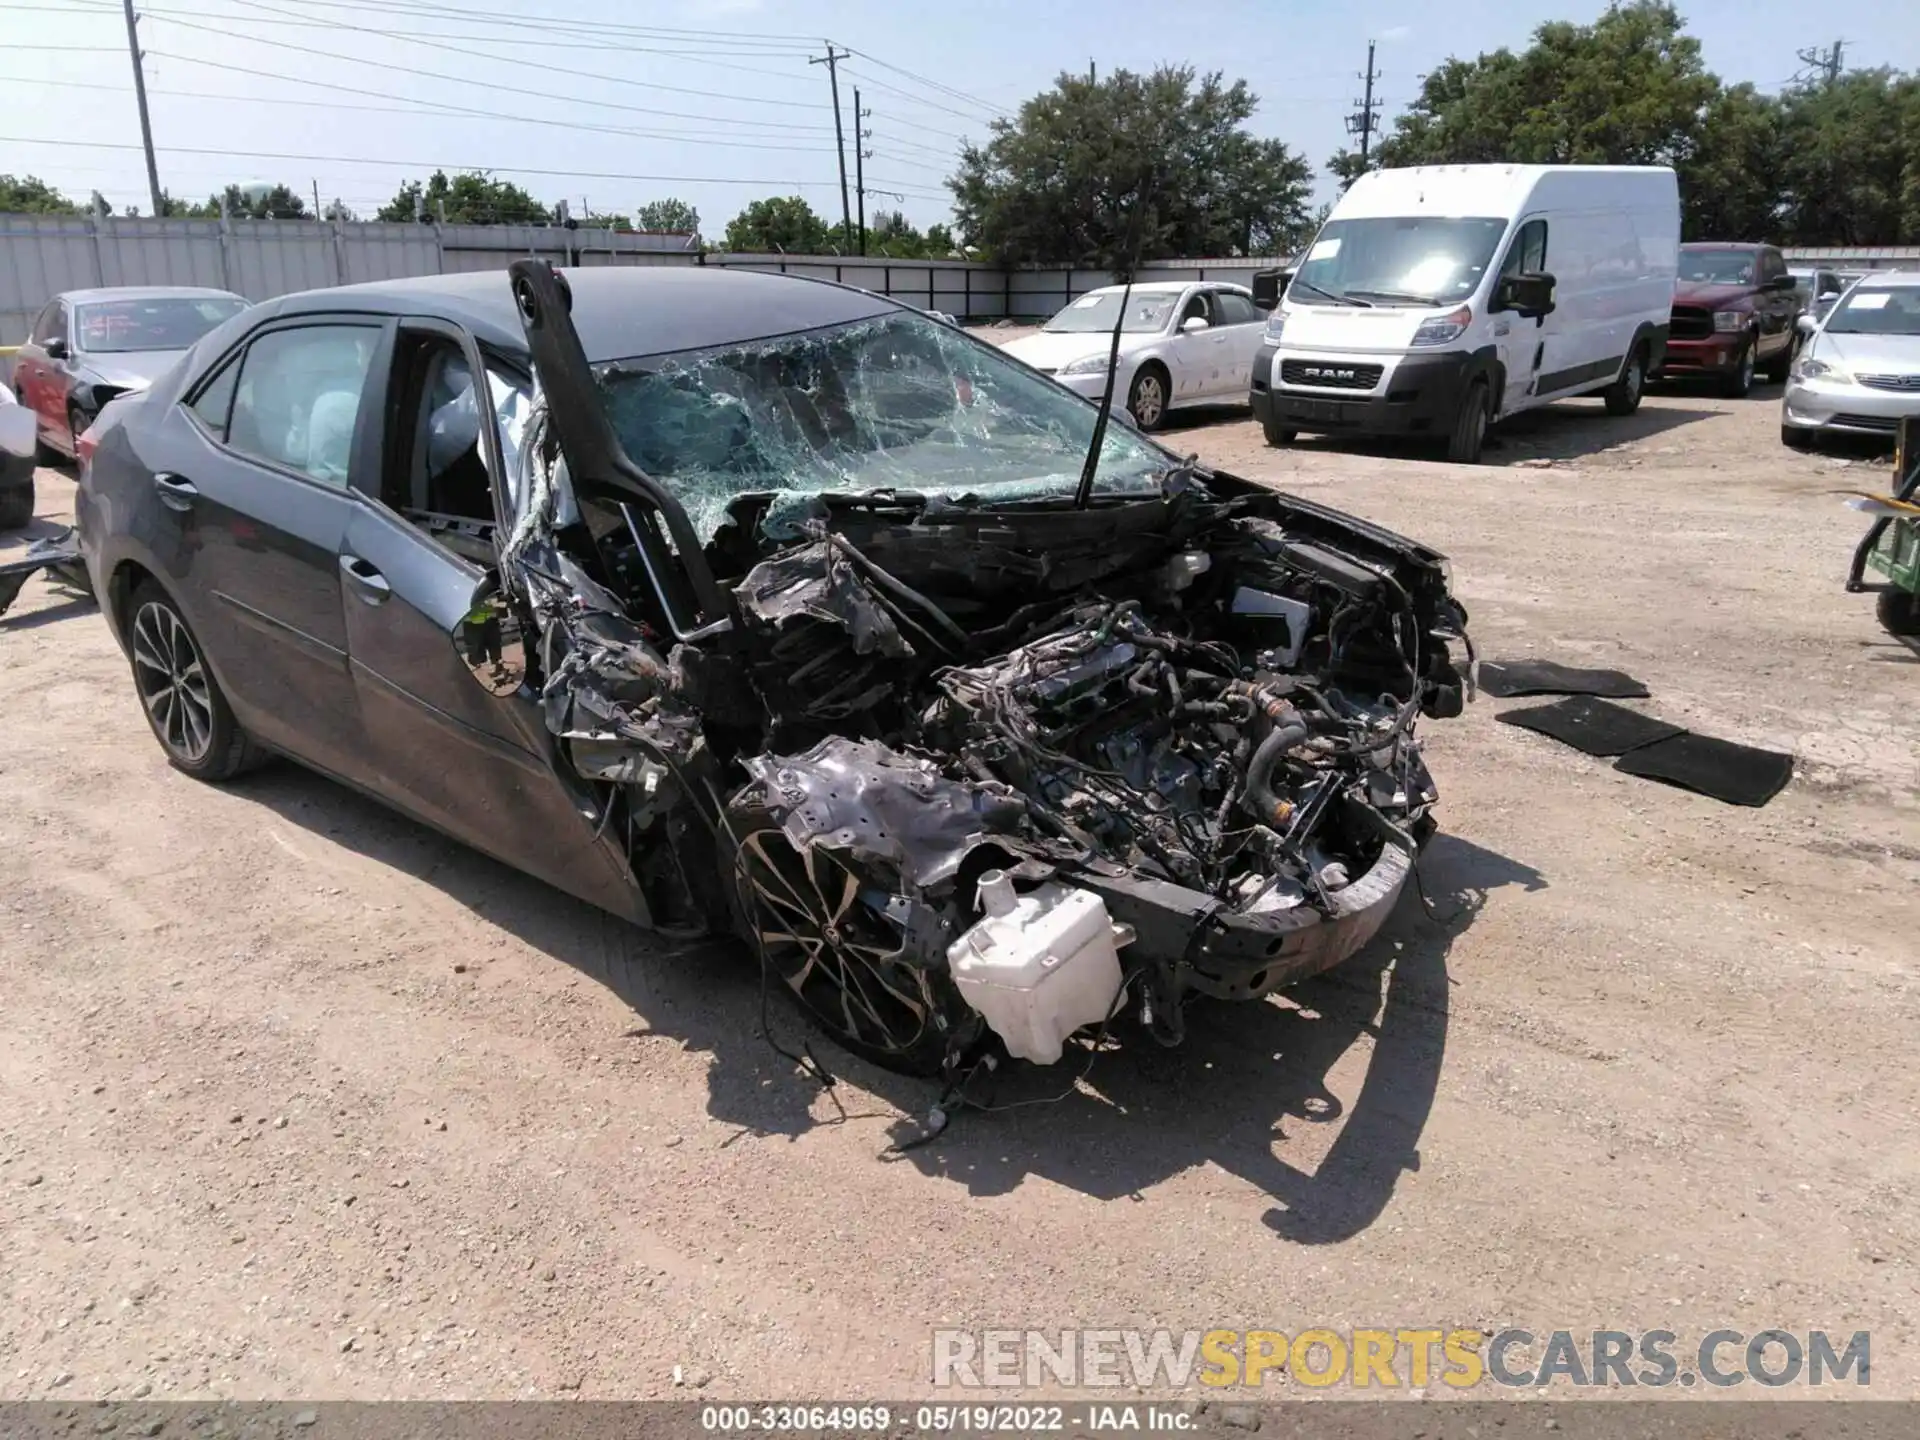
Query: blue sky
pixel 715 97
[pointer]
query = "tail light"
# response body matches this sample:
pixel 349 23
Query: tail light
pixel 88 442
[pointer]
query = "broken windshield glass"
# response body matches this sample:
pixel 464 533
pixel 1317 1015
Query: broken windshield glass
pixel 899 402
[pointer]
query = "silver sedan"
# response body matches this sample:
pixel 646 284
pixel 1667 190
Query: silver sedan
pixel 1860 372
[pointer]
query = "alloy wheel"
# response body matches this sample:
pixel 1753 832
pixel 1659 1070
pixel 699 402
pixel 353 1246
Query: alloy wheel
pixel 831 937
pixel 172 680
pixel 1149 400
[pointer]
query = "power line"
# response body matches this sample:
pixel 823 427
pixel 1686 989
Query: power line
pixel 467 80
pixel 437 107
pixel 947 90
pixel 452 166
pixel 468 110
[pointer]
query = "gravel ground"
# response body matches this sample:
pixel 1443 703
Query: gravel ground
pixel 299 1099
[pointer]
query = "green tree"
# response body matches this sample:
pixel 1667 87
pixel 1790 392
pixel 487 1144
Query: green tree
pixel 1346 166
pixel 1849 161
pixel 30 195
pixel 279 203
pixel 1088 167
pixel 940 242
pixel 1628 89
pixel 471 198
pixel 675 217
pixel 1730 182
pixel 782 222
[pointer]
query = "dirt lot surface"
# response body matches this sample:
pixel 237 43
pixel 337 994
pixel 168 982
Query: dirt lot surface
pixel 297 1098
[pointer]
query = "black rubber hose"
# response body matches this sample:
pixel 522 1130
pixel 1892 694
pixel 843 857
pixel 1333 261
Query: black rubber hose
pixel 1259 794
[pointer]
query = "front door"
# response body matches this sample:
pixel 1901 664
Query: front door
pixel 251 502
pixel 453 737
pixel 1522 342
pixel 1195 354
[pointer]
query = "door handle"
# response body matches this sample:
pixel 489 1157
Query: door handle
pixel 368 583
pixel 175 493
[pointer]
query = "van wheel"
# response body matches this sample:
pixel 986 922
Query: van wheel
pixel 1470 426
pixel 1740 383
pixel 1623 396
pixel 16 505
pixel 1277 434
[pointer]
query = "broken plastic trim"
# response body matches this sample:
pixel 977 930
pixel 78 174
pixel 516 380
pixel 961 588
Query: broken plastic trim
pixel 596 461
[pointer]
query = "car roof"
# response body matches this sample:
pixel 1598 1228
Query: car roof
pixel 146 292
pixel 1162 287
pixel 619 312
pixel 1890 280
pixel 1754 245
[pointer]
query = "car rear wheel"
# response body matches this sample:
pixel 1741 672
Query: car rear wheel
pixel 1623 396
pixel 1147 398
pixel 184 704
pixel 1470 426
pixel 1740 382
pixel 819 922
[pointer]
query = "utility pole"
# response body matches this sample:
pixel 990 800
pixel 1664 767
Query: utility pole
pixel 140 99
pixel 1093 73
pixel 316 198
pixel 860 153
pixel 1823 63
pixel 832 61
pixel 1364 121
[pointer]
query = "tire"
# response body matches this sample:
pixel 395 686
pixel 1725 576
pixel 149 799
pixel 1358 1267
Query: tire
pixel 1779 365
pixel 1739 384
pixel 1898 612
pixel 16 505
pixel 1623 396
pixel 1470 426
pixel 183 702
pixel 1148 391
pixel 1278 435
pixel 1794 438
pixel 76 427
pixel 802 913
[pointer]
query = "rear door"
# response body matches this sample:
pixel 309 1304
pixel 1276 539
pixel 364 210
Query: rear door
pixel 453 733
pixel 1778 308
pixel 251 504
pixel 1241 327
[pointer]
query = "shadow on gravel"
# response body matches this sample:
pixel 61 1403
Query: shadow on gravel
pixel 1249 1080
pixel 1568 430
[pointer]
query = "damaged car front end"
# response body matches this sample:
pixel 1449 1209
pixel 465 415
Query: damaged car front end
pixel 818 625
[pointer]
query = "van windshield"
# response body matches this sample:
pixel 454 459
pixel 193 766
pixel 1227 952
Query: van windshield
pixel 1399 260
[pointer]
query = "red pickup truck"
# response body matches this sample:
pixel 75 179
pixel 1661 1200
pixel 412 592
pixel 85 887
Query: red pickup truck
pixel 1735 310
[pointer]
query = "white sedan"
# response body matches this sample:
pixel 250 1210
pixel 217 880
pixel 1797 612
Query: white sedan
pixel 1182 344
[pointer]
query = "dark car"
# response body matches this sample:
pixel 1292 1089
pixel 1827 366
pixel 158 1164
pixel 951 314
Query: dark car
pixel 749 604
pixel 88 346
pixel 1735 311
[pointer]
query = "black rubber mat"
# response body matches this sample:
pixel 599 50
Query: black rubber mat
pixel 1507 678
pixel 1596 727
pixel 1737 774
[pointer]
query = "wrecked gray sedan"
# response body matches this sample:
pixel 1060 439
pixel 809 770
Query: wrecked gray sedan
pixel 745 604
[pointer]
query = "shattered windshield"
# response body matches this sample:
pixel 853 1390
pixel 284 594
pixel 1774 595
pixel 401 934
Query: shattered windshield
pixel 899 402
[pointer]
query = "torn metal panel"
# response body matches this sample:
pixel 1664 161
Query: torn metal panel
pixel 867 798
pixel 58 554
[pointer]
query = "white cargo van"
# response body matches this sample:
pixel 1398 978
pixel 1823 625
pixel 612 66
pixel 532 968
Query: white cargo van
pixel 1438 299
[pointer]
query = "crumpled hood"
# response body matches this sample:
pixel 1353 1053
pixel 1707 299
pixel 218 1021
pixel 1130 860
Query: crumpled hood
pixel 132 369
pixel 1874 354
pixel 1050 352
pixel 1711 296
